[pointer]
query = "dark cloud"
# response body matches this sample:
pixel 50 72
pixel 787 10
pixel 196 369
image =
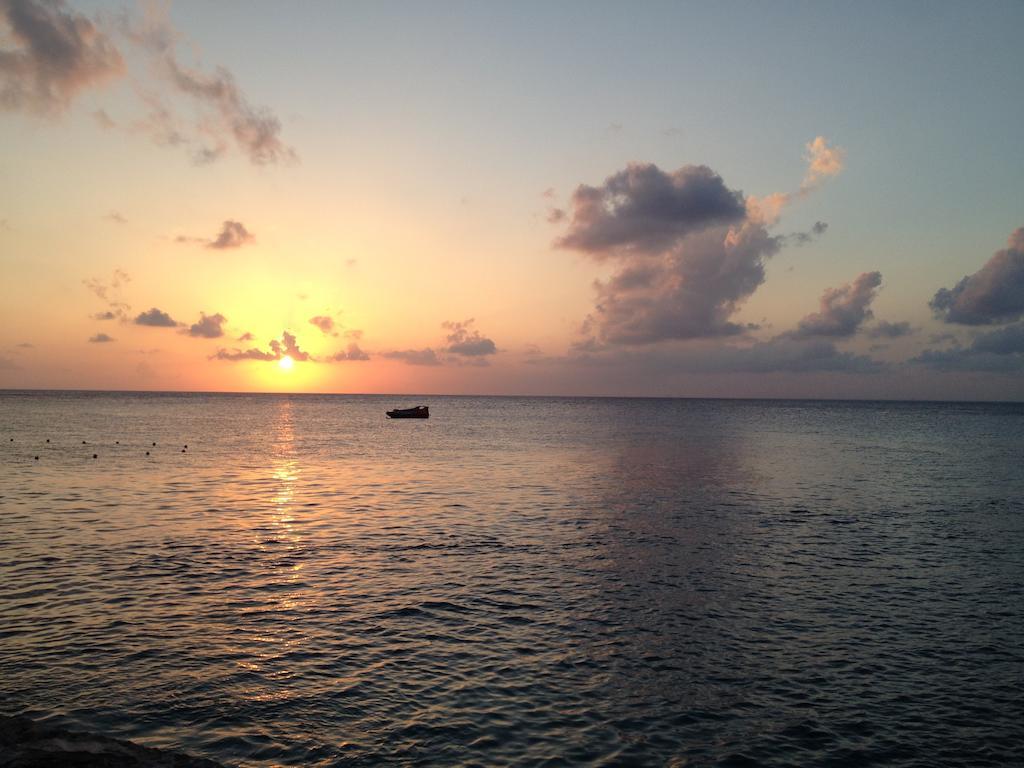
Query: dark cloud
pixel 352 352
pixel 555 215
pixel 414 356
pixel 689 252
pixel 325 323
pixel 101 338
pixel 287 345
pixel 56 53
pixel 466 341
pixel 689 292
pixel 883 329
pixel 803 238
pixel 643 209
pixel 108 315
pixel 247 336
pixel 156 318
pixel 208 327
pixel 782 354
pixel 999 351
pixel 232 235
pixel 842 310
pixel 992 295
pixel 109 291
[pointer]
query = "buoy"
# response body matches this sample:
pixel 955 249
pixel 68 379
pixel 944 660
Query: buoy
pixel 47 439
pixel 83 442
pixel 154 445
pixel 95 456
pixel 37 458
pixel 186 446
pixel 182 450
pixel 147 453
pixel 117 442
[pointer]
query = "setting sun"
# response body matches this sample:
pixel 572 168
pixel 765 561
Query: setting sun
pixel 286 363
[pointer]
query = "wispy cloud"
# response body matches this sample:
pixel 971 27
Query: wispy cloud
pixel 56 54
pixel 287 345
pixel 233 234
pixel 425 356
pixel 325 323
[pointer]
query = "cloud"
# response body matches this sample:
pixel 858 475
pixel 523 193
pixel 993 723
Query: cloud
pixel 325 324
pixel 101 338
pixel 104 120
pixel 247 336
pixel 116 218
pixel 883 329
pixel 999 351
pixel 842 310
pixel 56 54
pixel 992 295
pixel 688 250
pixel 353 352
pixel 232 235
pixel 155 318
pixel 6 364
pixel 823 162
pixel 690 291
pixel 287 345
pixel 208 327
pixel 782 354
pixel 353 333
pixel 225 114
pixel 414 356
pixel 109 291
pixel 466 341
pixel 803 238
pixel 645 210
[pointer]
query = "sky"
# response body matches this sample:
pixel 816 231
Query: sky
pixel 660 199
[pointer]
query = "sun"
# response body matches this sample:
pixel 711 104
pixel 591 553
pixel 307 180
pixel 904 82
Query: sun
pixel 286 363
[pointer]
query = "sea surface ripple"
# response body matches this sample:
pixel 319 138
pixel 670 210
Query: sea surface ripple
pixel 541 581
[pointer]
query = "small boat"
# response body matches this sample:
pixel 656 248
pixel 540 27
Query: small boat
pixel 419 412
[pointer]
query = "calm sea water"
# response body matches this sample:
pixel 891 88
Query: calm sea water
pixel 517 581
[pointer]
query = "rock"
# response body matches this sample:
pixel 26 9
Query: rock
pixel 28 744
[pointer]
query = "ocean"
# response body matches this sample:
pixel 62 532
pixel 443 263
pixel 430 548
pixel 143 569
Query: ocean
pixel 517 581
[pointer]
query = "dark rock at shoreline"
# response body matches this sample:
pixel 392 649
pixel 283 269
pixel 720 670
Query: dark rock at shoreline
pixel 28 744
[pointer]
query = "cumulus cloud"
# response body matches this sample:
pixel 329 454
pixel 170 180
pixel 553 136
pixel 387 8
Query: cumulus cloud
pixel 101 338
pixel 325 323
pixel 155 318
pixel 425 356
pixel 646 210
pixel 992 295
pixel 232 235
pixel 999 351
pixel 883 329
pixel 466 341
pixel 287 345
pixel 352 352
pixel 56 53
pixel 688 250
pixel 225 114
pixel 208 327
pixel 842 310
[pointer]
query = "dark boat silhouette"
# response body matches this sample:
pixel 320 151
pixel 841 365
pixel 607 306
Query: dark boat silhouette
pixel 419 412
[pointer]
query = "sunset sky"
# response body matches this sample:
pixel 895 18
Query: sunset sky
pixel 735 199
